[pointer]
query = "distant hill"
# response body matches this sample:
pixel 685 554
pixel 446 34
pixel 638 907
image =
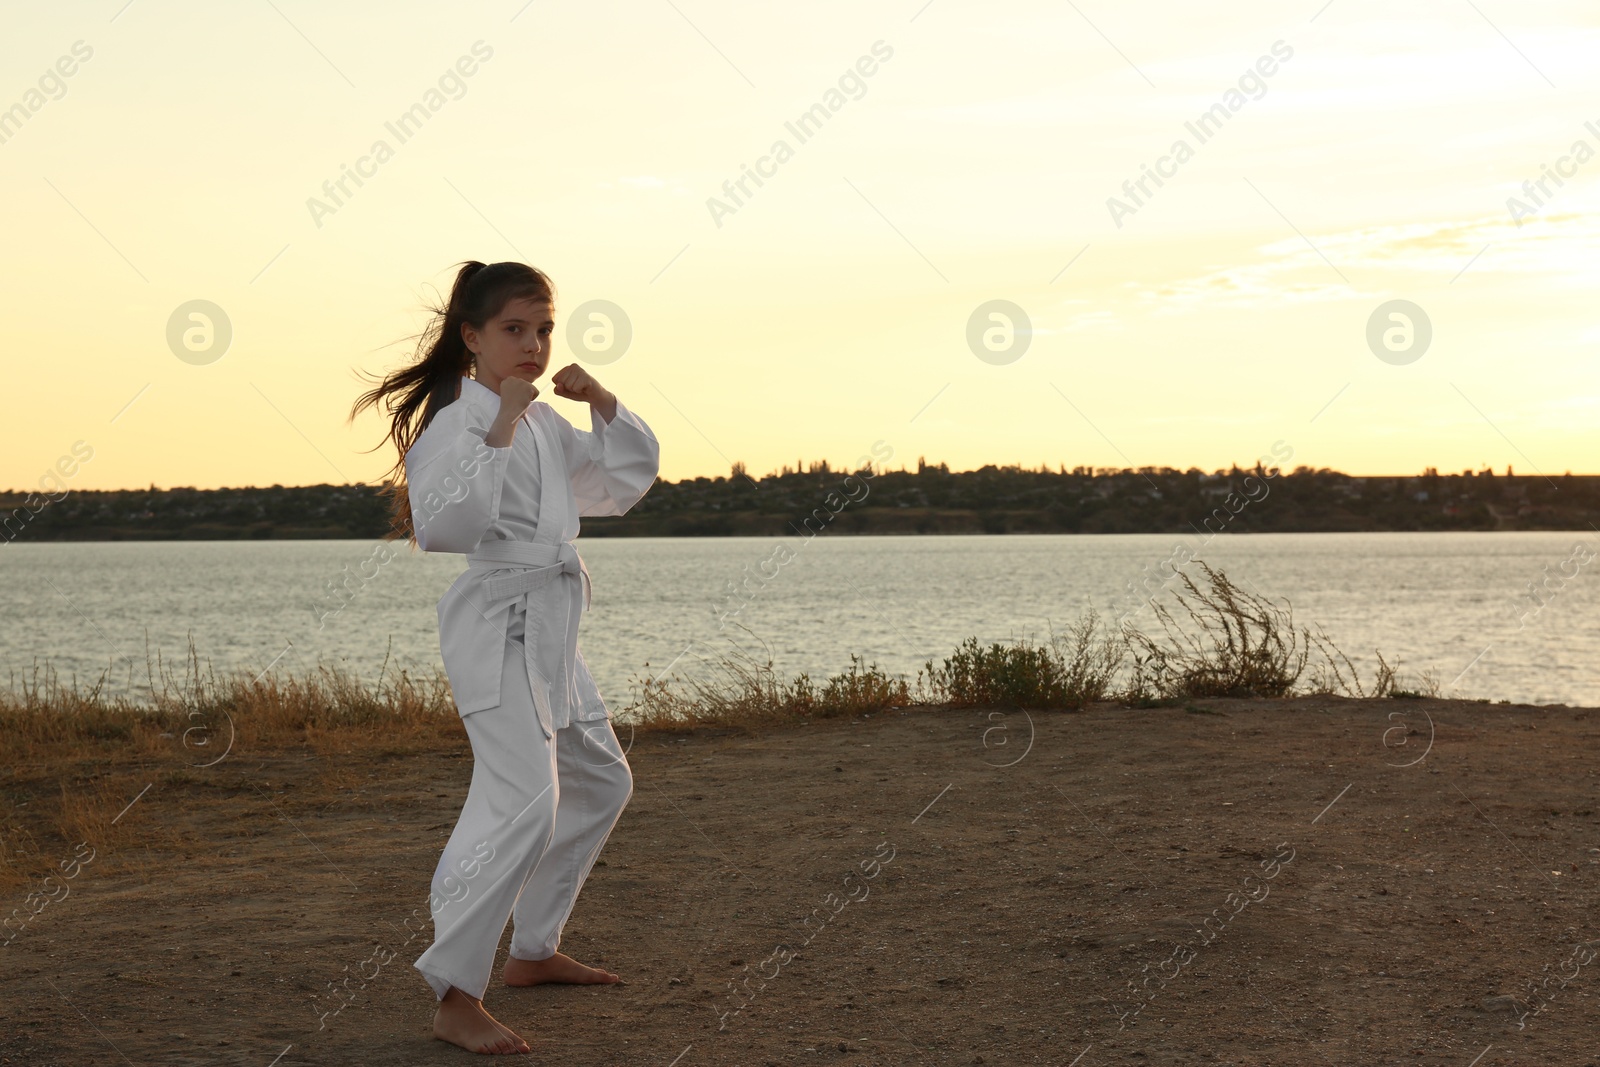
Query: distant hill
pixel 930 499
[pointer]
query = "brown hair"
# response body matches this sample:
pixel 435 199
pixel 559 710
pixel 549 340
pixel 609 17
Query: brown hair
pixel 414 394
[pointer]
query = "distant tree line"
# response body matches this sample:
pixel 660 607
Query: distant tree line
pixel 929 499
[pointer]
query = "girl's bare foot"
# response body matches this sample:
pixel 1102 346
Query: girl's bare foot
pixel 557 968
pixel 461 1020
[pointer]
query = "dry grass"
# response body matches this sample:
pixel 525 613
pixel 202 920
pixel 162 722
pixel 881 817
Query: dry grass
pixel 739 690
pixel 199 715
pixel 1230 643
pixel 72 759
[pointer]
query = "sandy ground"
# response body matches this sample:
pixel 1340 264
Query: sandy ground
pixel 925 887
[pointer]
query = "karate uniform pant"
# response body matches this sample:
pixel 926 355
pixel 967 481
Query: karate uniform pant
pixel 537 813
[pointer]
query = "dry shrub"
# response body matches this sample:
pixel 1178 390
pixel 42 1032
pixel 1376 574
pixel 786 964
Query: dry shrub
pixel 1067 673
pixel 1236 644
pixel 1426 687
pixel 1328 678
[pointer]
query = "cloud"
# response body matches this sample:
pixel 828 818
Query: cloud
pixel 1561 249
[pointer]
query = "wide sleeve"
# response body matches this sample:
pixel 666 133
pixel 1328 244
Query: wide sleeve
pixel 455 481
pixel 613 464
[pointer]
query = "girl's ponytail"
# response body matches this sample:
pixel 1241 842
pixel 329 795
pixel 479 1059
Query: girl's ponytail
pixel 414 394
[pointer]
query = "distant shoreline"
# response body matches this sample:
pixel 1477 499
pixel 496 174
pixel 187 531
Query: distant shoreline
pixel 929 500
pixel 607 533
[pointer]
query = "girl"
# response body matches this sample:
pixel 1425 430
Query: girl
pixel 490 473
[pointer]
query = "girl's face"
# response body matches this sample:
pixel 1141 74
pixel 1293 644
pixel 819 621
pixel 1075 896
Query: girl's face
pixel 513 344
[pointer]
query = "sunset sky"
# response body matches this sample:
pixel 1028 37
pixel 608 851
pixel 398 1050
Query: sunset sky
pixel 1191 323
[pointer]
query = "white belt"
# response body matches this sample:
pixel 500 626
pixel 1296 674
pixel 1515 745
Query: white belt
pixel 535 566
pixel 536 563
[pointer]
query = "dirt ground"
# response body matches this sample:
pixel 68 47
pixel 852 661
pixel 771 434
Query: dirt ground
pixel 918 887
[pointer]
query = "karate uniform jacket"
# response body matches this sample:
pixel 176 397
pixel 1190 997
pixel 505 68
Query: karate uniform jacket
pixel 514 512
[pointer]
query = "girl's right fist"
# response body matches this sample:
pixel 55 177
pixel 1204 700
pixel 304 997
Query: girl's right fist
pixel 517 393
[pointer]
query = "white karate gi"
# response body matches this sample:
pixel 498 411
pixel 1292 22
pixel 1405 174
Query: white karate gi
pixel 549 779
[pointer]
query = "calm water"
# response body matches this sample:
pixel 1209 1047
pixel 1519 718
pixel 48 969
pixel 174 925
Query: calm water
pixel 1431 601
